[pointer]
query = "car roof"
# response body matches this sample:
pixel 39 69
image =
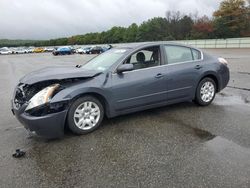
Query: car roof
pixel 145 44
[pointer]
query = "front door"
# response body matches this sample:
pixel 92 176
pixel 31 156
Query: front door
pixel 145 85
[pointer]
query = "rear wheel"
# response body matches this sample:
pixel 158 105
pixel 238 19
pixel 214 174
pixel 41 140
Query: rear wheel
pixel 205 92
pixel 85 115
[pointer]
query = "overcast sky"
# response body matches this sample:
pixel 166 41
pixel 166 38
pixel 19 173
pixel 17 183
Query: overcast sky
pixel 46 19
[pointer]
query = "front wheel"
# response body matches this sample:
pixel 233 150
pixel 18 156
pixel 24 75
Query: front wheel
pixel 85 115
pixel 205 92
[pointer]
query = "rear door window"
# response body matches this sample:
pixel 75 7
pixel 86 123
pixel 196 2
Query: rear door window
pixel 178 54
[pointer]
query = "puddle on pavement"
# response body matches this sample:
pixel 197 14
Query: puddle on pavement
pixel 246 100
pixel 225 99
pixel 247 73
pixel 224 94
pixel 202 134
pixel 224 149
pixel 229 150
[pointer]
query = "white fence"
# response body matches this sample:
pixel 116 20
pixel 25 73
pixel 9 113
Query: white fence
pixel 201 43
pixel 218 43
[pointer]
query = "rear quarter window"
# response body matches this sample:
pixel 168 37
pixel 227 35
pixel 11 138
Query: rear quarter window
pixel 196 54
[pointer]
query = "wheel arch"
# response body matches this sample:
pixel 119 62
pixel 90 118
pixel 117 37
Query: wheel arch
pixel 99 96
pixel 212 76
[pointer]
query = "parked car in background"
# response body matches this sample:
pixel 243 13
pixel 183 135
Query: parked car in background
pixel 120 81
pixel 95 50
pixel 19 51
pixel 5 51
pixel 79 50
pixel 83 50
pixel 106 48
pixel 86 50
pixel 38 50
pixel 28 50
pixel 49 49
pixel 73 49
pixel 63 51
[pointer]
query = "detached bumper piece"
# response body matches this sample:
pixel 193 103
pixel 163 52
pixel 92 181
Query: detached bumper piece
pixel 19 153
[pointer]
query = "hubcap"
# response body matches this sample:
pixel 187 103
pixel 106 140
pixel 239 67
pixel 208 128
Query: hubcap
pixel 87 115
pixel 207 91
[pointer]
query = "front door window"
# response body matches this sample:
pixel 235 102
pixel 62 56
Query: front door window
pixel 145 58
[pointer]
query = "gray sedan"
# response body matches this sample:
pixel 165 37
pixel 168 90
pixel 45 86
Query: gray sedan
pixel 120 81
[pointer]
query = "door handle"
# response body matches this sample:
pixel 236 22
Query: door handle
pixel 198 67
pixel 159 75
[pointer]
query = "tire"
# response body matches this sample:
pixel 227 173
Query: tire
pixel 85 117
pixel 205 92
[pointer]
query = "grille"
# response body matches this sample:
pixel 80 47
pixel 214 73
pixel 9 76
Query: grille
pixel 25 92
pixel 19 98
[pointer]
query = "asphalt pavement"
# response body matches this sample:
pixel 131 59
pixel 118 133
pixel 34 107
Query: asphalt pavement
pixel 181 145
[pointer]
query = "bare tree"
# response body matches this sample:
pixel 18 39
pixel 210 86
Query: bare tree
pixel 173 16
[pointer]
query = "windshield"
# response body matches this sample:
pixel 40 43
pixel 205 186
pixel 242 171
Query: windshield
pixel 105 60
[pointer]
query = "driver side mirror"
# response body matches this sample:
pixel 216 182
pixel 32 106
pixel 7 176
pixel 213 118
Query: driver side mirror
pixel 125 67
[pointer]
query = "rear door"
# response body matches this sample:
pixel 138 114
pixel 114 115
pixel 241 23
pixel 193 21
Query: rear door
pixel 184 67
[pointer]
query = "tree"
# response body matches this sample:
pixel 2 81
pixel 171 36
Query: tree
pixel 179 25
pixel 173 18
pixel 153 30
pixel 232 18
pixel 184 27
pixel 131 33
pixel 203 28
pixel 72 40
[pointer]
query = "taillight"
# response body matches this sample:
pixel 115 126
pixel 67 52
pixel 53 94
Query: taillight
pixel 222 60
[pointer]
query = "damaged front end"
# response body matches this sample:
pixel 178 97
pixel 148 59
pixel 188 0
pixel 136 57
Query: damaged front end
pixel 33 101
pixel 31 105
pixel 25 94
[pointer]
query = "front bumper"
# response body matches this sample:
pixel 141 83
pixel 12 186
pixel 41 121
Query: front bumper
pixel 47 126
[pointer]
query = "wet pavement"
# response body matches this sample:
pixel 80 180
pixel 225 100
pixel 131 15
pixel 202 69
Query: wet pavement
pixel 181 145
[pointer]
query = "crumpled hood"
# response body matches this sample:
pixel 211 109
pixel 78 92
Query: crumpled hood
pixel 58 73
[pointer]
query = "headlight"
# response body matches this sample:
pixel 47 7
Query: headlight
pixel 42 97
